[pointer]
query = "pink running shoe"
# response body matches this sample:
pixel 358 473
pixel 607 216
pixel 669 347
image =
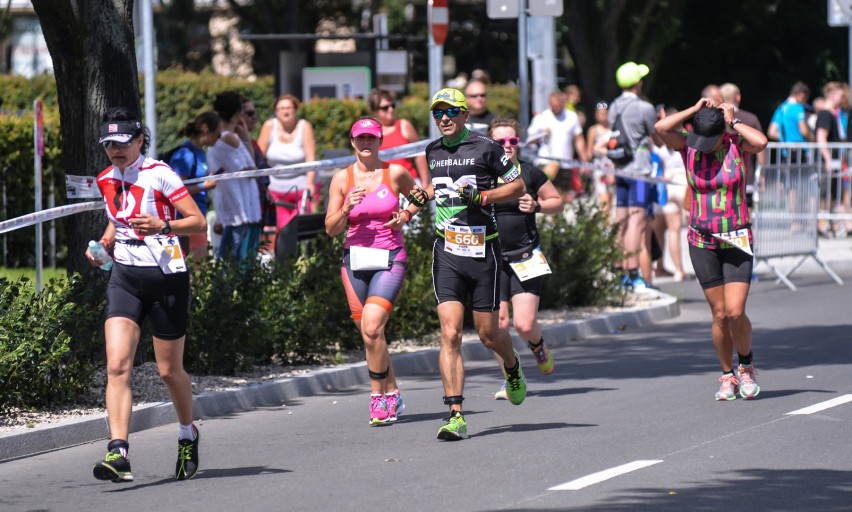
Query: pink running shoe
pixel 728 389
pixel 395 405
pixel 748 386
pixel 378 410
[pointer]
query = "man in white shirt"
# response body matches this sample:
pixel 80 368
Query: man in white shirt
pixel 558 132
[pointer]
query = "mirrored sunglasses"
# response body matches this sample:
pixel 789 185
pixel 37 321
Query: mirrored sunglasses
pixel 602 106
pixel 512 141
pixel 451 112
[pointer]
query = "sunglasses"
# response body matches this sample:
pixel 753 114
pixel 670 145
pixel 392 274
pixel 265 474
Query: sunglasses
pixel 481 95
pixel 451 112
pixel 250 113
pixel 513 141
pixel 385 108
pixel 602 106
pixel 113 144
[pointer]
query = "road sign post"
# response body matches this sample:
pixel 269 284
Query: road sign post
pixel 439 21
pixel 840 15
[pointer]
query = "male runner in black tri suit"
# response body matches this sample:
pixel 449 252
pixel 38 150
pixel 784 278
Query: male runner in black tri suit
pixel 464 168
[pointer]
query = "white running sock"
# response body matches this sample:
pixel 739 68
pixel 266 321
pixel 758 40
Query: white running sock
pixel 185 432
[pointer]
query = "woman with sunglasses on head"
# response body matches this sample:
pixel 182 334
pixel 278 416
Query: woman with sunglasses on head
pixel 397 132
pixel 364 202
pixel 719 234
pixel 149 279
pixel 519 243
pixel 190 162
pixel 596 140
pixel 286 140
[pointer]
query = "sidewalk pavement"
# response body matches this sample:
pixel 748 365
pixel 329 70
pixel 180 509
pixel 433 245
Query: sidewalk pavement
pixel 836 252
pixel 49 437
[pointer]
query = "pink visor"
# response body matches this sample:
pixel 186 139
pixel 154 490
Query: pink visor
pixel 366 126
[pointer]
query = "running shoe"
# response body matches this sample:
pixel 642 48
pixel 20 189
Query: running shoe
pixel 378 410
pixel 543 358
pixel 395 405
pixel 729 387
pixel 748 385
pixel 501 395
pixel 187 461
pixel 516 384
pixel 454 427
pixel 114 467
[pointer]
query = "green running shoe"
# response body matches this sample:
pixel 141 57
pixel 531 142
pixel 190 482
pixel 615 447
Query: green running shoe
pixel 114 467
pixel 454 429
pixel 543 358
pixel 187 461
pixel 516 384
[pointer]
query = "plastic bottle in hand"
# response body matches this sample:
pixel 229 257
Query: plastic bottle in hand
pixel 100 254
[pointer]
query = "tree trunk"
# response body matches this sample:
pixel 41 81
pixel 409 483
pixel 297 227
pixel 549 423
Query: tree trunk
pixel 94 62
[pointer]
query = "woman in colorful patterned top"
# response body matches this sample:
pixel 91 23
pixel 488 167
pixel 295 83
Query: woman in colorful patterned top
pixel 719 228
pixel 366 197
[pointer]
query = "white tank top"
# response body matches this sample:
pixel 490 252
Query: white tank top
pixel 286 153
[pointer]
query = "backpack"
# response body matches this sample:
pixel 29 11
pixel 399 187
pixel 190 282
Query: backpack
pixel 168 155
pixel 618 148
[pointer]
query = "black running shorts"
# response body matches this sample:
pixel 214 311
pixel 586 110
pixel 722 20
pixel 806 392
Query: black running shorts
pixel 716 267
pixel 455 277
pixel 140 292
pixel 510 285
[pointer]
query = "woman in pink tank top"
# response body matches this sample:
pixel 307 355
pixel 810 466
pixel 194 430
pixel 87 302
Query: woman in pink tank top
pixel 366 197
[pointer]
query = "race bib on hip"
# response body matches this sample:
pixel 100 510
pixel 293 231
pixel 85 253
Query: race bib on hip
pixel 534 266
pixel 467 241
pixel 167 253
pixel 738 239
pixel 368 258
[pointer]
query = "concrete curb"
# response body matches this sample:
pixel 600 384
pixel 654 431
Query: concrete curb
pixel 46 438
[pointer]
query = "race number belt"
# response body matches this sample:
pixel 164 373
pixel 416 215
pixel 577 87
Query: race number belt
pixel 534 265
pixel 737 238
pixel 467 241
pixel 167 253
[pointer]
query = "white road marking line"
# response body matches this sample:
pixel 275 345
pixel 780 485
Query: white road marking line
pixel 828 404
pixel 600 476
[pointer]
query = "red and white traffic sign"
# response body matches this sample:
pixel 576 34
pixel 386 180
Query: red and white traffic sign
pixel 439 20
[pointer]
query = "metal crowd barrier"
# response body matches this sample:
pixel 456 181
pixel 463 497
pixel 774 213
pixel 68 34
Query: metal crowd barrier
pixel 792 193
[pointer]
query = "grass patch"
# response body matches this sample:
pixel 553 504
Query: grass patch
pixel 14 274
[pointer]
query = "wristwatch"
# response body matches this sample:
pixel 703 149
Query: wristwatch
pixel 734 121
pixel 166 229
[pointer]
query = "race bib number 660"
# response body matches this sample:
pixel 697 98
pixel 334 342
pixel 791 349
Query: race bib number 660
pixel 467 241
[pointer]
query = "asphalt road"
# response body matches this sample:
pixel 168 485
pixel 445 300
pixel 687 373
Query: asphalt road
pixel 626 422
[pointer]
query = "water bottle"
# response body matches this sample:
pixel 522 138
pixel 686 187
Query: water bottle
pixel 100 254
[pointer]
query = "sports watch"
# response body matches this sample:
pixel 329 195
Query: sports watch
pixel 734 121
pixel 167 228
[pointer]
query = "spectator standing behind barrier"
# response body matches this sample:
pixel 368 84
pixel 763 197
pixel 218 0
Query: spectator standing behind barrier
pixel 366 196
pixel 244 130
pixel 789 122
pixel 596 141
pixel 149 279
pixel 285 140
pixel 573 99
pixel 397 132
pixel 634 198
pixel 237 201
pixel 480 117
pixel 521 247
pixel 190 162
pixel 465 167
pixel 557 131
pixel 713 156
pixel 731 95
pixel 667 226
pixel 832 127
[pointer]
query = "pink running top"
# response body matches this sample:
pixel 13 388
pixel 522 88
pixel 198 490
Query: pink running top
pixel 367 219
